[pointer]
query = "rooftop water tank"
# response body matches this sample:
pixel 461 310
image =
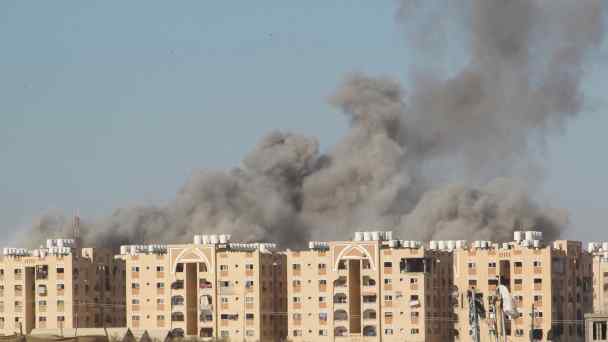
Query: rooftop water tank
pixel 213 239
pixel 358 236
pixel 605 246
pixel 205 239
pixel 388 235
pixel 375 236
pixel 451 244
pixel 198 239
pixel 536 243
pixel 517 235
pixel 433 244
pixel 367 236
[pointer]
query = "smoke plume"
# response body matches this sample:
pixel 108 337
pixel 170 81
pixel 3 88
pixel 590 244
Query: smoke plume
pixel 450 155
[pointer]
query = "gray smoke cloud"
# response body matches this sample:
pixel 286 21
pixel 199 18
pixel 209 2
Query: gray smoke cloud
pixel 450 155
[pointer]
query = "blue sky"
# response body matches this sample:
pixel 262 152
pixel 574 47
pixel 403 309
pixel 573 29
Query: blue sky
pixel 107 104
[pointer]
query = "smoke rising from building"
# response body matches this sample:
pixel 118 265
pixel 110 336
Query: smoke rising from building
pixel 448 156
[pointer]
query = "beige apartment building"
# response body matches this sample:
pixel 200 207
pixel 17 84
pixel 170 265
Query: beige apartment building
pixel 211 288
pixel 60 286
pixel 599 251
pixel 372 288
pixel 550 285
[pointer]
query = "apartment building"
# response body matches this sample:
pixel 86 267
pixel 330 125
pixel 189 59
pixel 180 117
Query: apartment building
pixel 372 288
pixel 60 286
pixel 599 252
pixel 550 285
pixel 210 288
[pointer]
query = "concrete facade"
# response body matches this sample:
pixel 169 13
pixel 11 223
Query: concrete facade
pixel 208 289
pixel 60 286
pixel 550 285
pixel 369 289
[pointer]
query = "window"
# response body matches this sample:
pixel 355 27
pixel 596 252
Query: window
pixel 323 332
pixel 223 267
pixel 519 332
pixel 133 285
pixel 42 319
pixel 322 299
pixel 365 264
pixel 224 300
pixel 536 264
pixel 60 287
pixel 249 316
pixel 296 283
pixel 297 333
pixel 296 316
pixel 42 302
pixel 492 264
pixel 388 264
pixel 61 318
pixel 388 331
pixel 322 282
pixel 135 318
pixel 518 281
pixel 249 284
pixel 322 266
pixel 297 299
pixel 160 285
pixel 135 302
pixel 160 318
pixel 160 301
pixel 250 333
pixel 415 314
pixel 160 269
pixel 388 281
pixel 135 269
pixel 413 280
pixel 414 331
pixel 249 267
pixel 472 283
pixel 179 268
pixel 224 333
pixel 323 316
pixel 249 300
pixel 388 297
pixel 414 297
pixel 296 267
pixel 60 270
pixel 518 264
pixel 538 314
pixel 471 265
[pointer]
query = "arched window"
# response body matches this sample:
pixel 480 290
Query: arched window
pixel 340 331
pixel 369 330
pixel 369 314
pixel 177 300
pixel 367 281
pixel 340 282
pixel 202 267
pixel 340 298
pixel 206 332
pixel 340 315
pixel 177 317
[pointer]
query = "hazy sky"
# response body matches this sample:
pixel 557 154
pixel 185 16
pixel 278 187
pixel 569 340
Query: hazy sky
pixel 115 103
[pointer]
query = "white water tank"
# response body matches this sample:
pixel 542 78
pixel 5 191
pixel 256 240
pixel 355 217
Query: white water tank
pixel 536 243
pixel 393 243
pixel 528 235
pixel 124 249
pixel 375 236
pixel 605 246
pixel 222 238
pixel 358 236
pixel 5 251
pixel 49 243
pixel 591 247
pixel 477 244
pixel 433 244
pixel 198 239
pixel 389 235
pixel 133 250
pixel 213 239
pixel 205 239
pixel 441 245
pixel 367 236
pixel 451 245
pixel 311 244
pixel 517 235
pixel 406 244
